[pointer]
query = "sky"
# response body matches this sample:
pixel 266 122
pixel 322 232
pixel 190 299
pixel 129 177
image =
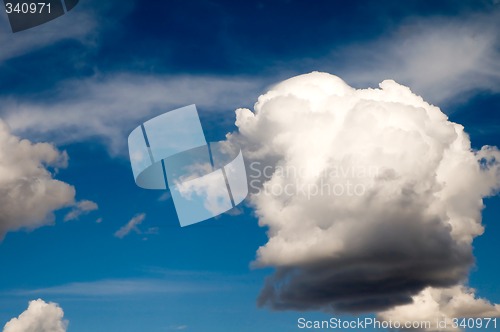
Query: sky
pixel 103 254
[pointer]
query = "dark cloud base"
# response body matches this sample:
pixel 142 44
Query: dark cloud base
pixel 386 266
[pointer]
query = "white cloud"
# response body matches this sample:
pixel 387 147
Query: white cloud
pixel 80 208
pixel 28 192
pixel 210 187
pixel 441 58
pixel 443 304
pixel 62 28
pixel 131 225
pixel 82 24
pixel 444 59
pixel 120 287
pixel 111 107
pixel 39 317
pixel 375 194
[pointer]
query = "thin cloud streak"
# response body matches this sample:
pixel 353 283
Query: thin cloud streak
pixel 110 107
pixel 120 287
pixel 131 225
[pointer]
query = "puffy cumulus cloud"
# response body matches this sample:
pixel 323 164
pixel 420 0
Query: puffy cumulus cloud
pixel 39 317
pixel 28 192
pixel 369 195
pixel 442 304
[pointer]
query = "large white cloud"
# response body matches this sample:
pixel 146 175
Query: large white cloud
pixel 374 195
pixel 29 194
pixel 39 317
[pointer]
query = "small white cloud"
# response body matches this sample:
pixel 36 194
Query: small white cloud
pixel 152 231
pixel 164 197
pixel 80 208
pixel 39 317
pixel 132 225
pixel 442 304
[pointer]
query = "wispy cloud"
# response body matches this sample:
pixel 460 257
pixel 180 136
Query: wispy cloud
pixel 130 226
pixel 62 28
pixel 119 287
pixel 440 58
pixel 84 24
pixel 110 107
pixel 80 208
pixel 164 197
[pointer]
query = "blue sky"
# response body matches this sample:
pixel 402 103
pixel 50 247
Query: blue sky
pixel 85 80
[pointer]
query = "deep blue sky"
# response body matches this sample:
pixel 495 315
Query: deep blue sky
pixel 198 276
